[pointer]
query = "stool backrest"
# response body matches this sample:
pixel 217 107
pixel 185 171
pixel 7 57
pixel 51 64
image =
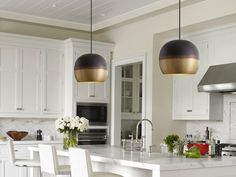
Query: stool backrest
pixel 80 163
pixel 11 151
pixel 48 159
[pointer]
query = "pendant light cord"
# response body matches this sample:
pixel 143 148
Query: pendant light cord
pixel 179 19
pixel 91 26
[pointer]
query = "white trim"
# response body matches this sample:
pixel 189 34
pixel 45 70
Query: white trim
pixel 43 20
pixel 141 57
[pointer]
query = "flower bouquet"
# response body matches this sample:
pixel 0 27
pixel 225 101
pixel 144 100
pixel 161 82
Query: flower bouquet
pixel 71 127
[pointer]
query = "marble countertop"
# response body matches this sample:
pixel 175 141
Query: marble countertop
pixel 33 142
pixel 116 155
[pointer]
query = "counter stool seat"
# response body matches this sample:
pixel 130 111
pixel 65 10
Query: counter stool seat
pixel 105 174
pixel 64 170
pixel 26 163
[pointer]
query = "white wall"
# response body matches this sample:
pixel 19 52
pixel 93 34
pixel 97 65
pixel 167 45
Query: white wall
pixel 139 37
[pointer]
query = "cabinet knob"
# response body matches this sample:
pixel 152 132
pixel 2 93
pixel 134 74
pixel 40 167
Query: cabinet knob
pixel 189 110
pixel 45 109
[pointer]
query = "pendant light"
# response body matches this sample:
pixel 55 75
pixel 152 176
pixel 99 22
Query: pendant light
pixel 90 67
pixel 179 56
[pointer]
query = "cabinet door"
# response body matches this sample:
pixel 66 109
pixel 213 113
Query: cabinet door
pixel 29 79
pixel 9 56
pixel 53 82
pixel 201 99
pixel 182 97
pixel 188 103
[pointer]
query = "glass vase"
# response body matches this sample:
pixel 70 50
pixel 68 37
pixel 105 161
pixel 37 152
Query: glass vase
pixel 70 139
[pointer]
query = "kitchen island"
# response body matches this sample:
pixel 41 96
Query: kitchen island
pixel 137 164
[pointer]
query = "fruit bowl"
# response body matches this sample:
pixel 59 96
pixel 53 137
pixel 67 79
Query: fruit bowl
pixel 17 135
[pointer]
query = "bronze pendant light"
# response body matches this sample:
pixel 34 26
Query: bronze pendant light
pixel 90 67
pixel 179 56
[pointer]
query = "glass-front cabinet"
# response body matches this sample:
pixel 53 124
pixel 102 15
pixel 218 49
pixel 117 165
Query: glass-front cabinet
pixel 131 92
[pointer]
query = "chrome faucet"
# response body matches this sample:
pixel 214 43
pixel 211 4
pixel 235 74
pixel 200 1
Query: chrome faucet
pixel 139 122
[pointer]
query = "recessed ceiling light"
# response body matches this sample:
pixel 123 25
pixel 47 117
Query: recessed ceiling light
pixel 54 5
pixel 103 15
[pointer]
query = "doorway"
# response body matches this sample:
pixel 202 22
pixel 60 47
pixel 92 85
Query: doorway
pixel 128 97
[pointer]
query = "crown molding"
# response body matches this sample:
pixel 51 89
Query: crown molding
pixel 43 21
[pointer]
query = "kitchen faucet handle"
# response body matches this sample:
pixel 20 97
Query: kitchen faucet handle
pixel 131 137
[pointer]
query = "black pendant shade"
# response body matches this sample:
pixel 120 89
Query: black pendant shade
pixel 179 56
pixel 90 68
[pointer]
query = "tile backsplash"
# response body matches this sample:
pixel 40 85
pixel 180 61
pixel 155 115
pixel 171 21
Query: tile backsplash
pixel 223 130
pixel 29 125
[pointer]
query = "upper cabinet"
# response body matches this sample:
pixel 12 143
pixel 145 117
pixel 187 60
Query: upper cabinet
pixel 31 78
pixel 53 82
pixel 131 91
pixel 93 92
pixel 28 90
pixel 9 56
pixel 188 103
pixel 85 92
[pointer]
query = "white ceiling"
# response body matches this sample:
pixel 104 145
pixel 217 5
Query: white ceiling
pixel 73 13
pixel 73 10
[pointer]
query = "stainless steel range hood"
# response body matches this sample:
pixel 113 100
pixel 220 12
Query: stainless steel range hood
pixel 219 78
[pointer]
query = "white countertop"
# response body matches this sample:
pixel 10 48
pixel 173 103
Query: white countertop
pixel 33 142
pixel 116 155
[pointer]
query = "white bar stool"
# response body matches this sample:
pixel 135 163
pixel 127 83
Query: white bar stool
pixel 49 162
pixel 81 165
pixel 23 163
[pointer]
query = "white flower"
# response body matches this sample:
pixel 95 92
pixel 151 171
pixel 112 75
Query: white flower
pixel 64 124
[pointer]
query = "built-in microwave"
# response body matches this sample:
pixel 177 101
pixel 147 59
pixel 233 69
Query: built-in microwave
pixel 96 113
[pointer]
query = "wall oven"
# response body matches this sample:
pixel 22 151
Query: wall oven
pixel 96 113
pixel 93 137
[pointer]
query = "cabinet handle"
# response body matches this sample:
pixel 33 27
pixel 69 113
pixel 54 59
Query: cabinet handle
pixel 189 110
pixel 91 95
pixel 19 109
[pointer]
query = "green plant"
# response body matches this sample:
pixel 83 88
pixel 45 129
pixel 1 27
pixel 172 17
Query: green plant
pixel 170 141
pixel 179 145
pixel 193 152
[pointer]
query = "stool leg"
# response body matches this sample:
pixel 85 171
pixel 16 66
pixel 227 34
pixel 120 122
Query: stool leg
pixel 23 172
pixel 3 169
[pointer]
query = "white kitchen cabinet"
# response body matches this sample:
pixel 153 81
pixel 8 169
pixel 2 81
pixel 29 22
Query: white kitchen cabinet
pixel 8 78
pixel 28 97
pixel 52 82
pixel 188 103
pixel 19 79
pixel 94 92
pixel 131 94
pixel 31 78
